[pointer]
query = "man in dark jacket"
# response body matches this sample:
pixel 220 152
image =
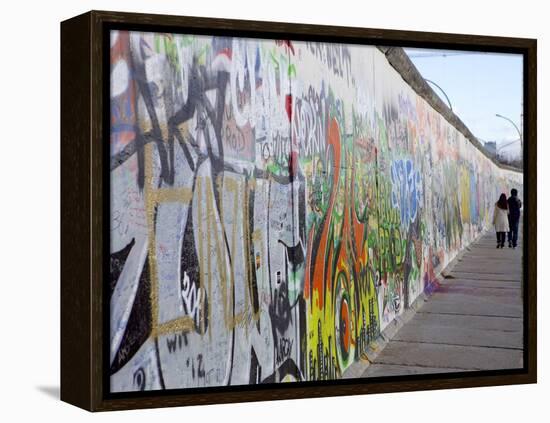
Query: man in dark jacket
pixel 514 205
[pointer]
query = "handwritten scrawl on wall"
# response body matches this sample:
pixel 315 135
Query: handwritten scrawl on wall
pixel 274 205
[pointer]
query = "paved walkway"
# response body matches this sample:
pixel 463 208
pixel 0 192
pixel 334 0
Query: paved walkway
pixel 474 321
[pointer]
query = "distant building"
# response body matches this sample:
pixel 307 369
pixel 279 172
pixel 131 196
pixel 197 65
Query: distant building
pixel 491 148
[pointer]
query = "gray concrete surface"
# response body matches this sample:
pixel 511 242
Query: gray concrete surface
pixel 474 321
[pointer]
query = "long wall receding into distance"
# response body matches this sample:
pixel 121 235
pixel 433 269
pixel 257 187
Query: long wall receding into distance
pixel 274 206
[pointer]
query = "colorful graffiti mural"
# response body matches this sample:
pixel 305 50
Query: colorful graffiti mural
pixel 273 207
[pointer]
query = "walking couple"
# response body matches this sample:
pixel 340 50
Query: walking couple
pixel 506 219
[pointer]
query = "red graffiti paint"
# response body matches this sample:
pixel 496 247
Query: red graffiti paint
pixel 288 106
pixel 293 163
pixel 226 52
pixel 345 319
pixel 287 44
pixel 325 250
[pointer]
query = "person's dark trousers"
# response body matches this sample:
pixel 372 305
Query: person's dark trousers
pixel 501 237
pixel 513 234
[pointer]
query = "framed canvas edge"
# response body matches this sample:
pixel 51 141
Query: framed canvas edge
pixel 76 205
pixel 89 392
pixel 530 229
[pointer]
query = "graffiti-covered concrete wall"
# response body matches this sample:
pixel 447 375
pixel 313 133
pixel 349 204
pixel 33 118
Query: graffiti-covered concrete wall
pixel 274 206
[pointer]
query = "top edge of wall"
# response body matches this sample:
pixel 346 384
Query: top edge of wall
pixel 400 61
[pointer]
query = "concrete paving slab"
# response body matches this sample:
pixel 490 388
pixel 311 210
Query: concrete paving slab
pixel 481 254
pixel 498 254
pixel 476 307
pixel 460 291
pixel 374 349
pixel 483 268
pixel 491 269
pixel 450 356
pixel 490 265
pixel 356 369
pixel 458 321
pixel 392 328
pixel 501 297
pixel 484 276
pixel 379 370
pixel 482 283
pixel 437 334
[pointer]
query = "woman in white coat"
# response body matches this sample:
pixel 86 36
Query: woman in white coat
pixel 500 220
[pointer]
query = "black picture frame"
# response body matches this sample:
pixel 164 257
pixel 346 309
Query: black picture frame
pixel 85 206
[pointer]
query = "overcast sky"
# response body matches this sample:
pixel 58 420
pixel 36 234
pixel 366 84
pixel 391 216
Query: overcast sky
pixel 479 85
